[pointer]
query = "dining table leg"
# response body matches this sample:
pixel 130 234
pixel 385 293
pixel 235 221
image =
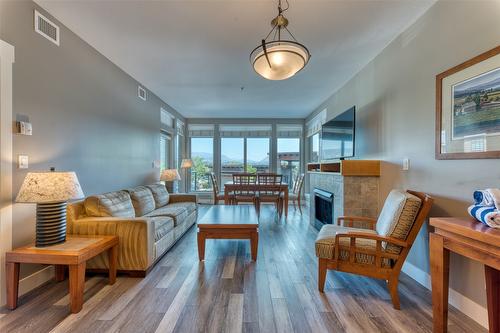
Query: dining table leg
pixel 286 202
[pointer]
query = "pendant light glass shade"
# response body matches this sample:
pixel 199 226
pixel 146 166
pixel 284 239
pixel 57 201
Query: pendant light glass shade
pixel 284 59
pixel 279 59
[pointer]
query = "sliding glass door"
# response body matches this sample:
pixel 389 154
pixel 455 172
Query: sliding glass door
pixel 289 159
pixel 202 155
pixel 232 157
pixel 257 155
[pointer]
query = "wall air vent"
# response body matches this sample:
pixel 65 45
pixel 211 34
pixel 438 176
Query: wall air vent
pixel 141 92
pixel 46 28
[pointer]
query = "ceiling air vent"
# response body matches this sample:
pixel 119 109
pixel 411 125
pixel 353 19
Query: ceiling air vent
pixel 141 92
pixel 46 28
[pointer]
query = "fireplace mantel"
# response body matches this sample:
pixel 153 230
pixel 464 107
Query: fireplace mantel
pixel 354 184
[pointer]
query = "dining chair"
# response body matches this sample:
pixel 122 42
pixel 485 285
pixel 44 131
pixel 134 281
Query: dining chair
pixel 244 193
pixel 273 193
pixel 217 194
pixel 296 194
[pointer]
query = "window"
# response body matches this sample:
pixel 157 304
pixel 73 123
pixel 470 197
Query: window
pixel 202 155
pixel 165 147
pixel 314 148
pixel 232 151
pixel 289 159
pixel 257 155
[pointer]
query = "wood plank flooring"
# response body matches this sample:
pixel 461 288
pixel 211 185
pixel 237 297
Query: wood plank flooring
pixel 230 293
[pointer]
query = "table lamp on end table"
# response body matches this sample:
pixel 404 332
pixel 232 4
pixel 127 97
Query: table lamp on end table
pixel 50 191
pixel 169 176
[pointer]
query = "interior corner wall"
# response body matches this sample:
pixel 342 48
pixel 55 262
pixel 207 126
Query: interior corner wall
pixel 85 113
pixel 395 99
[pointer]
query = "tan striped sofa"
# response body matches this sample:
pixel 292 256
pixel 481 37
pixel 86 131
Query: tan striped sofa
pixel 147 219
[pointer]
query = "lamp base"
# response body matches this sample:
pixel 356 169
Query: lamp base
pixel 170 186
pixel 50 223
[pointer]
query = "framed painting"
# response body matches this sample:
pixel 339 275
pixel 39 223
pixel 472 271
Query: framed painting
pixel 468 109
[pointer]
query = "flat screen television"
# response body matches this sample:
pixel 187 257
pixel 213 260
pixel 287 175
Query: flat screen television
pixel 337 136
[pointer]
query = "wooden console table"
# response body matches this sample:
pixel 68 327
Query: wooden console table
pixel 73 253
pixel 473 240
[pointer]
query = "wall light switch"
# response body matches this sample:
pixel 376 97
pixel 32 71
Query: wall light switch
pixel 22 162
pixel 406 164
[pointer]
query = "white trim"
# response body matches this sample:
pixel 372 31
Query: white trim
pixel 464 304
pixel 313 126
pixel 35 280
pixel 6 60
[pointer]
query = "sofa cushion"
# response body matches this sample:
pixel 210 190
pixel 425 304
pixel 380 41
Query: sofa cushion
pixel 325 245
pixel 116 204
pixel 163 225
pixel 397 217
pixel 189 206
pixel 177 213
pixel 160 194
pixel 142 200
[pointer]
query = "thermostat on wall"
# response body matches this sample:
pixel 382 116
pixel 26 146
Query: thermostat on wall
pixel 24 128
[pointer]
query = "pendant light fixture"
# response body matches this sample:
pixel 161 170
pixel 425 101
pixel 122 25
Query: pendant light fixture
pixel 277 58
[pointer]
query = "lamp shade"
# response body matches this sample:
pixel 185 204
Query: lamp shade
pixel 170 175
pixel 46 187
pixel 186 163
pixel 280 60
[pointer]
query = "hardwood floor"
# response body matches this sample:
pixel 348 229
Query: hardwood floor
pixel 230 293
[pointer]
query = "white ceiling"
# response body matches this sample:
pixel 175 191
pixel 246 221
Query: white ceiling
pixel 195 54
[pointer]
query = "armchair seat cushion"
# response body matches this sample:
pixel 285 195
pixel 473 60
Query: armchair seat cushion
pixel 325 245
pixel 163 225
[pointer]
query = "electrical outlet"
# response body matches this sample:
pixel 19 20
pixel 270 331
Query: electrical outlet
pixel 23 161
pixel 406 164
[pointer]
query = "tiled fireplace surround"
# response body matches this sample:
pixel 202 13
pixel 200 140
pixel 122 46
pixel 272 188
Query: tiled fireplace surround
pixel 353 195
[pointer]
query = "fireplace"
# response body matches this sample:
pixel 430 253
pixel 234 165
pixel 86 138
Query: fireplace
pixel 323 207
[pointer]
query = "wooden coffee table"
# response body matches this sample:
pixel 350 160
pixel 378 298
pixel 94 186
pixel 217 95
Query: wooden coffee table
pixel 229 222
pixel 73 253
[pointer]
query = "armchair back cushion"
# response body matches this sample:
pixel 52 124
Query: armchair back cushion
pixel 397 217
pixel 160 194
pixel 116 204
pixel 142 200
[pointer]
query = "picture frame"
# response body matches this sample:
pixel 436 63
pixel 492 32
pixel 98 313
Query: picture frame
pixel 468 109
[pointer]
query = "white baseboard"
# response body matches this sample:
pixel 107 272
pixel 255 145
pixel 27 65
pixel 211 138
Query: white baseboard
pixel 459 301
pixel 35 280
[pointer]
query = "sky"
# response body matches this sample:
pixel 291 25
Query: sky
pixel 257 148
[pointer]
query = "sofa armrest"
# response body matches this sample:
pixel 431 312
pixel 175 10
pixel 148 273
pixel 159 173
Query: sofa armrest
pixel 183 198
pixel 135 240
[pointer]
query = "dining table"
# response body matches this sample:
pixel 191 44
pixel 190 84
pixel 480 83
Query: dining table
pixel 230 187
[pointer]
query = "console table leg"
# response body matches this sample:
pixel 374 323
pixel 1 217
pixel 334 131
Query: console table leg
pixel 440 271
pixel 76 286
pixel 12 279
pixel 201 245
pixel 493 296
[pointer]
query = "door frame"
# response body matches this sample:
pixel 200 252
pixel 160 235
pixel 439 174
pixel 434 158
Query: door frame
pixel 6 158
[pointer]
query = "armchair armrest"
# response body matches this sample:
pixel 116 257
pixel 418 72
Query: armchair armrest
pixel 183 198
pixel 379 253
pixel 347 221
pixel 135 240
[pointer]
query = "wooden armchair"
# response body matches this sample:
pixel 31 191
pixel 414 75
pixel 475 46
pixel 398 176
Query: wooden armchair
pixel 380 248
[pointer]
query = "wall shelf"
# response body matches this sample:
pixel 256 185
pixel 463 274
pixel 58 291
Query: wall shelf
pixel 364 168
